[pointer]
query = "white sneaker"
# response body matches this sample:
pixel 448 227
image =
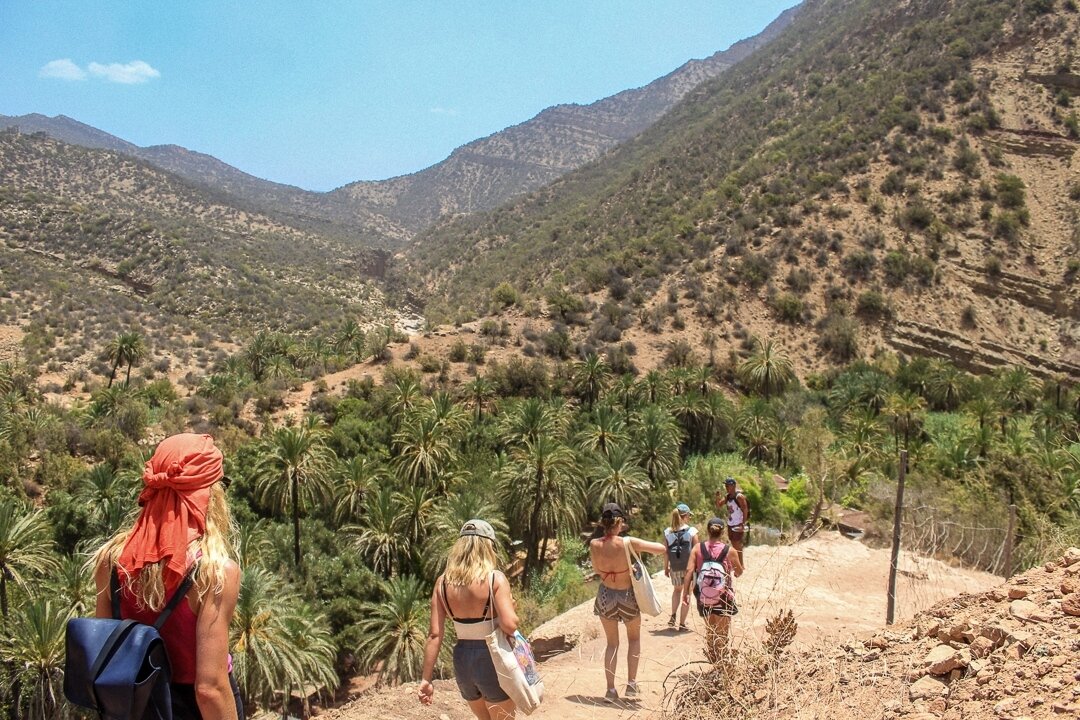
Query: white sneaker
pixel 632 690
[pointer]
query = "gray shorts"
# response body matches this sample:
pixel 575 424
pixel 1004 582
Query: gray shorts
pixel 475 673
pixel 618 605
pixel 677 577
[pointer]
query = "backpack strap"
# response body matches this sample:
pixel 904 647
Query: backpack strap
pixel 177 596
pixel 114 592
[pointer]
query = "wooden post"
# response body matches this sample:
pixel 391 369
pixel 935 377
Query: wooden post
pixel 1010 540
pixel 890 609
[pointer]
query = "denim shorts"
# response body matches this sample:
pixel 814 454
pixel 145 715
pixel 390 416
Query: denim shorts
pixel 475 673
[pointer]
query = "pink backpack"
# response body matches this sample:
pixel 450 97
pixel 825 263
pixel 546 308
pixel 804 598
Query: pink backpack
pixel 714 585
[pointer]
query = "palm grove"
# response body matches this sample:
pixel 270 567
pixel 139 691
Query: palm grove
pixel 345 514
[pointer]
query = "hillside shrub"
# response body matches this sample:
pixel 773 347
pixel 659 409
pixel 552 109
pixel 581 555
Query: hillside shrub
pixel 755 270
pixel 505 295
pixel 1010 191
pixel 789 308
pixel 859 265
pixel 873 305
pixel 839 337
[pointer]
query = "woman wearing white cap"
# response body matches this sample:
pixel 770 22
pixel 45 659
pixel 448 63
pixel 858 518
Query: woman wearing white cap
pixel 476 597
pixel 679 539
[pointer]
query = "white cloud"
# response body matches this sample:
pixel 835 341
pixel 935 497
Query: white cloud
pixel 130 73
pixel 62 69
pixel 451 112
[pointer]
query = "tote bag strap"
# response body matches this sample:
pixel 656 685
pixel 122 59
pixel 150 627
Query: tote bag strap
pixel 491 601
pixel 631 553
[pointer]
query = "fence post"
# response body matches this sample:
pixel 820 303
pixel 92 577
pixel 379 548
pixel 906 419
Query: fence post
pixel 890 609
pixel 1010 540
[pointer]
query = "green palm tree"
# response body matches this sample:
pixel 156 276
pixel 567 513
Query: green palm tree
pixel 863 433
pixel 946 386
pixel 479 394
pixel 34 648
pixel 294 470
pixel 128 348
pixel 627 394
pixel 542 489
pixel 590 378
pixel 654 387
pixel 26 548
pixel 656 442
pixel 404 395
pixel 278 644
pixel 905 411
pixel 394 630
pixel 380 535
pixel 526 420
pixel 72 586
pixel 356 478
pixel 603 429
pixel 768 371
pixel 691 409
pixel 109 495
pixel 617 477
pixel 349 340
pixel 417 505
pixel 423 449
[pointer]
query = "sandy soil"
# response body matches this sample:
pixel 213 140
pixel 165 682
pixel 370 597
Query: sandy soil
pixel 835 586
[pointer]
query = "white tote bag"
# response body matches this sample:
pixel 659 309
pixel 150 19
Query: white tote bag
pixel 644 591
pixel 515 665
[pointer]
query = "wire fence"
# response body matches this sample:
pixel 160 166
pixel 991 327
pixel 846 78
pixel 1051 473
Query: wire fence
pixel 927 530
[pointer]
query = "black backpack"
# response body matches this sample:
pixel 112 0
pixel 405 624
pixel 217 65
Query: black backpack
pixel 679 551
pixel 119 668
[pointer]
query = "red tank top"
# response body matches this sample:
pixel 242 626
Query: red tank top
pixel 178 632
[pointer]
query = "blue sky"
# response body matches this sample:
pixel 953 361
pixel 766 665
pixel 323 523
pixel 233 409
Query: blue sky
pixel 318 94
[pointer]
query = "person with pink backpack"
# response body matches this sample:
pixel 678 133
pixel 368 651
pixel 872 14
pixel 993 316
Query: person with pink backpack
pixel 712 570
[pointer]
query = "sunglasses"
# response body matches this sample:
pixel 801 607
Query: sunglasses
pixel 225 481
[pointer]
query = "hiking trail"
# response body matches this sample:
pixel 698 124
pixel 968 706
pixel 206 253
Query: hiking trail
pixel 835 586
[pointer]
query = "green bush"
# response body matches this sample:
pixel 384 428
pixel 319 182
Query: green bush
pixel 789 308
pixel 505 295
pixel 873 305
pixel 755 270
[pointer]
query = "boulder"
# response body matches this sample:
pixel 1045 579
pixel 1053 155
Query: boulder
pixel 1070 604
pixel 927 687
pixel 982 646
pixel 1027 610
pixel 1071 557
pixel 942 660
pixel 1069 585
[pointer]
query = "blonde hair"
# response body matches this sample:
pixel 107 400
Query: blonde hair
pixel 676 519
pixel 148 587
pixel 472 559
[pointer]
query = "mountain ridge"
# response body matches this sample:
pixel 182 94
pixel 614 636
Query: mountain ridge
pixel 477 176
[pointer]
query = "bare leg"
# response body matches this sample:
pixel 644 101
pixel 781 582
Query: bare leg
pixel 676 601
pixel 480 709
pixel 502 710
pixel 685 610
pixel 611 652
pixel 633 648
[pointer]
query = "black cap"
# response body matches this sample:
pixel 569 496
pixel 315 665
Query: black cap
pixel 611 510
pixel 718 522
pixel 729 481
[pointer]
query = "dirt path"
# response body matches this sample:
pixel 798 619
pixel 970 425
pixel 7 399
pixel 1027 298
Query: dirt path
pixel 835 586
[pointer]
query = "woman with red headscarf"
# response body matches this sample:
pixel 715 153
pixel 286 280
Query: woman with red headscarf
pixel 183 530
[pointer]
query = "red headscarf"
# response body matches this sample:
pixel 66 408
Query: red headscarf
pixel 174 500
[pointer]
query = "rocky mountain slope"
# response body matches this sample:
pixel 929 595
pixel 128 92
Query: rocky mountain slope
pixel 92 241
pixel 477 176
pixel 883 175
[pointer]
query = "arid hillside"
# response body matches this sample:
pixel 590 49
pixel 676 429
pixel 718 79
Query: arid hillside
pixel 884 176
